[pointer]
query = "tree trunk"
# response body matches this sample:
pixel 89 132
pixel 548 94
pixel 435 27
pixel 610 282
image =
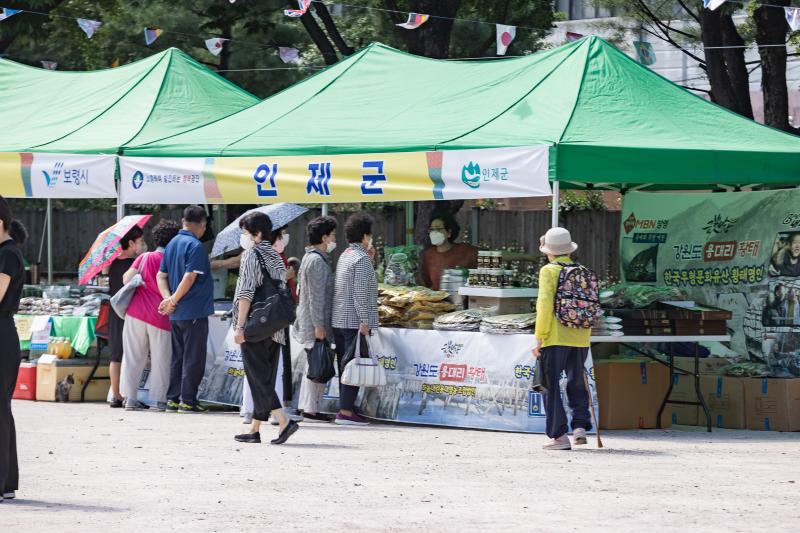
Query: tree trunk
pixel 333 31
pixel 317 35
pixel 737 68
pixel 714 33
pixel 771 28
pixel 225 55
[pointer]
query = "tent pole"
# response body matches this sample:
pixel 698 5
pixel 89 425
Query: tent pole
pixel 409 207
pixel 49 241
pixel 324 210
pixel 554 215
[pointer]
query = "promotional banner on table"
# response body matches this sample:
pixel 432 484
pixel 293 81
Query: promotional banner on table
pixel 34 175
pixel 456 379
pixel 402 176
pixel 739 251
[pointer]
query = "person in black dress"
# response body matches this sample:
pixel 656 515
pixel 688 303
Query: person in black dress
pixel 132 245
pixel 12 279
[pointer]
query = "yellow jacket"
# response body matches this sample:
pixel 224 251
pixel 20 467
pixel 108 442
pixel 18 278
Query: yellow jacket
pixel 549 329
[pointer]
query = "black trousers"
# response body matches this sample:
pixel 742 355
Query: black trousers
pixel 261 369
pixel 189 347
pixel 9 367
pixel 345 339
pixel 288 377
pixel 567 359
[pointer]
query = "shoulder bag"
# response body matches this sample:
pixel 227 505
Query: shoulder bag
pixel 272 309
pixel 121 300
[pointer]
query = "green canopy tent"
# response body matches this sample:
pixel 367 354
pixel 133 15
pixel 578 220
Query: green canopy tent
pixel 609 121
pixel 62 130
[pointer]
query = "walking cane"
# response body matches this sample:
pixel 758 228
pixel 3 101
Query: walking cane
pixel 591 409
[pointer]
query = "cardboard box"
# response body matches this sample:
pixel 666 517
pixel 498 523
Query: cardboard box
pixel 772 404
pixel 724 397
pixel 50 372
pixel 707 365
pixel 630 393
pixel 683 390
pixel 25 389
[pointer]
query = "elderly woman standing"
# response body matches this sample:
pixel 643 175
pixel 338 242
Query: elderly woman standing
pixel 316 305
pixel 260 264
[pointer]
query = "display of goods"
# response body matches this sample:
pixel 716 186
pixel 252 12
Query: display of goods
pixel 402 265
pixel 509 324
pixel 638 296
pixel 86 306
pixel 466 320
pixel 746 369
pixel 415 307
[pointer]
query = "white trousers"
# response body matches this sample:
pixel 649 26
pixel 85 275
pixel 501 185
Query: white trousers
pixel 140 339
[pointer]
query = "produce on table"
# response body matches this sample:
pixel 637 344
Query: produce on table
pixel 509 324
pixel 466 320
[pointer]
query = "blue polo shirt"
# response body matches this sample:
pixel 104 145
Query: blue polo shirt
pixel 185 254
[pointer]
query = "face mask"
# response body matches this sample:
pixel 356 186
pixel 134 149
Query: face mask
pixel 369 243
pixel 246 241
pixel 437 238
pixel 285 240
pixel 142 248
pixel 331 246
pixel 280 244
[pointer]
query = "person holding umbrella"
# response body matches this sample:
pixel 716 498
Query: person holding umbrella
pixel 261 264
pixel 185 283
pixel 132 245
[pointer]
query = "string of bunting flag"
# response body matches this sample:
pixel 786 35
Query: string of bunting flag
pixel 505 33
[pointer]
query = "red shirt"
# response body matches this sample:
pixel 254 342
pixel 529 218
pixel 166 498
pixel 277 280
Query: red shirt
pixel 435 262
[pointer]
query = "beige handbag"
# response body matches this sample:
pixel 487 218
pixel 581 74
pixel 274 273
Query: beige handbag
pixel 363 371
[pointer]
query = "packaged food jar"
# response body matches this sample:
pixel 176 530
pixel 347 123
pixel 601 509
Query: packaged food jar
pixel 483 259
pixel 494 278
pixel 473 277
pixel 510 278
pixel 496 259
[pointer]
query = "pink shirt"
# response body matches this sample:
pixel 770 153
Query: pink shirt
pixel 144 304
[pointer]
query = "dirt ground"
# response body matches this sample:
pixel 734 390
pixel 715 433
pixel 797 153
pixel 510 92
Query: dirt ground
pixel 85 467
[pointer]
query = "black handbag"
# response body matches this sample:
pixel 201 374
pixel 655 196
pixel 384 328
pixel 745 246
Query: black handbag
pixel 539 382
pixel 320 362
pixel 272 309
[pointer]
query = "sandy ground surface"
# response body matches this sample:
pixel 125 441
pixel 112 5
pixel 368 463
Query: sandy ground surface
pixel 89 468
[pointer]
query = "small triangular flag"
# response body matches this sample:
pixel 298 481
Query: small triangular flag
pixel 505 34
pixel 302 9
pixel 712 4
pixel 115 63
pixel 288 54
pixel 647 56
pixel 572 36
pixel 7 12
pixel 89 26
pixel 415 20
pixel 151 34
pixel 49 65
pixel 214 45
pixel 793 17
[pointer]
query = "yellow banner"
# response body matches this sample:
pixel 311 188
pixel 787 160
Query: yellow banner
pixel 11 185
pixel 347 178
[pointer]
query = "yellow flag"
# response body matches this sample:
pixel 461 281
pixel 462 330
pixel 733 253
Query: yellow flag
pixel 115 64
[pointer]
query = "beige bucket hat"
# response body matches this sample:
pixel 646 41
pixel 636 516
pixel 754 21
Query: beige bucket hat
pixel 557 241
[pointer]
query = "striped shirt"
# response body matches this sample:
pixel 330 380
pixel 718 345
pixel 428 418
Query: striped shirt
pixel 251 276
pixel 355 299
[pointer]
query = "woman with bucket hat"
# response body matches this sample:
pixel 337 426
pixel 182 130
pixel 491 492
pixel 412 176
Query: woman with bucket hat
pixel 563 348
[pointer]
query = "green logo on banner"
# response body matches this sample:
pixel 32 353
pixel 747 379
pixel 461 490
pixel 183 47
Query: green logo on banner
pixel 471 175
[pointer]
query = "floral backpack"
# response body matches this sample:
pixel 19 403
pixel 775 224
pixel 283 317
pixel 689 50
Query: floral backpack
pixel 577 300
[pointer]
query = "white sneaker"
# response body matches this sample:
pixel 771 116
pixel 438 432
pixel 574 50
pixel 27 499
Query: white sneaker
pixel 9 495
pixel 579 436
pixel 561 443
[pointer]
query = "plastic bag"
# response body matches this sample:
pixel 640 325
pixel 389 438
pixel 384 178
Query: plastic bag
pixel 320 362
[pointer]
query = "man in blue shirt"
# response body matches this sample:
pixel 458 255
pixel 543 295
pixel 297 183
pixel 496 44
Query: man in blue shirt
pixel 188 290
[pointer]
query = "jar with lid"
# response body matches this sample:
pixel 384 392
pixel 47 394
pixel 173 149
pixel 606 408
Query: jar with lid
pixel 495 259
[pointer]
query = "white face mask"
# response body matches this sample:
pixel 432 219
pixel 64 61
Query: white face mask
pixel 246 241
pixel 280 244
pixel 369 243
pixel 437 238
pixel 142 248
pixel 331 246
